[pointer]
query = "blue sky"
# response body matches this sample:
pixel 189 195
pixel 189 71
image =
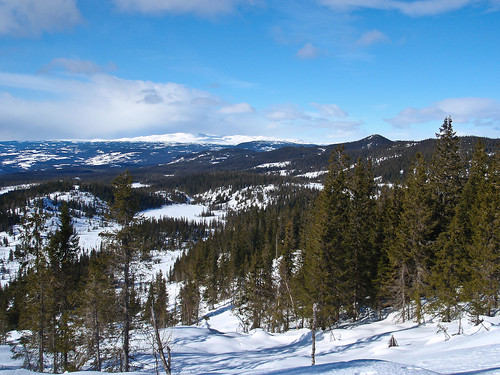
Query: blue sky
pixel 320 71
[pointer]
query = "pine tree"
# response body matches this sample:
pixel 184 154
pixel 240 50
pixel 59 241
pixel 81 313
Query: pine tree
pixel 481 198
pixel 450 258
pixel 388 219
pixel 447 175
pixel 285 299
pixel 362 257
pixel 126 250
pixel 62 252
pixel 34 315
pixel 326 249
pixel 158 300
pixel 97 311
pixel 189 300
pixel 409 252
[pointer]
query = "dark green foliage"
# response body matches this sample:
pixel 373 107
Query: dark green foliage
pixel 189 299
pixel 481 198
pixel 446 174
pixel 158 300
pixel 97 311
pixel 409 249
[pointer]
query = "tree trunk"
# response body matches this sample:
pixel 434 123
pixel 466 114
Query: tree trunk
pixel 313 331
pixel 41 330
pixel 161 352
pixel 97 339
pixel 126 317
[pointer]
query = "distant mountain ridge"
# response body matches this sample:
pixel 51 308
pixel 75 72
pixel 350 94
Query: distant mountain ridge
pixel 166 155
pixel 26 156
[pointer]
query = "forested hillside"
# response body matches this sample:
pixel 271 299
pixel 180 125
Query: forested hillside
pixel 295 256
pixel 431 244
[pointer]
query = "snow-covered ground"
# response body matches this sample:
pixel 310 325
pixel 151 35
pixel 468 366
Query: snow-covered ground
pixel 217 346
pixel 190 212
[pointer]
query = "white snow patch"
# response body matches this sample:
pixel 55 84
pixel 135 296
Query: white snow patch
pixel 281 164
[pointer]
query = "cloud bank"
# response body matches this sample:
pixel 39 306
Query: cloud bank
pixel 102 106
pixel 65 106
pixel 477 111
pixel 416 8
pixel 31 18
pixel 198 7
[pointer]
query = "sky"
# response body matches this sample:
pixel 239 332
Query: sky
pixel 318 71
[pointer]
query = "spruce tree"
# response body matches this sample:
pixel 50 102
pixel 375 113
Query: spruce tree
pixel 62 252
pixel 39 292
pixel 481 197
pixel 158 300
pixel 126 250
pixel 325 253
pixel 410 251
pixel 97 311
pixel 362 258
pixel 446 175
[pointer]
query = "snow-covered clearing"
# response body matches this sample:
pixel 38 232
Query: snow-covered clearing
pixel 217 346
pixel 190 212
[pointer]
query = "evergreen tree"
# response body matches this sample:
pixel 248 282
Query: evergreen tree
pixel 158 300
pixel 409 252
pixel 189 300
pixel 481 197
pixel 126 250
pixel 285 300
pixel 62 252
pixel 447 175
pixel 97 312
pixel 325 255
pixel 34 315
pixel 388 219
pixel 361 260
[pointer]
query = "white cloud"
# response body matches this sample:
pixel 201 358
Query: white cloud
pixel 308 52
pixel 75 66
pixel 199 7
pixel 330 110
pixel 238 108
pixel 34 17
pixel 285 112
pixel 372 37
pixel 417 8
pixel 101 106
pixel 477 111
pixel 104 106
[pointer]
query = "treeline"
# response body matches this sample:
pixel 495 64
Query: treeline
pixel 428 246
pixel 200 182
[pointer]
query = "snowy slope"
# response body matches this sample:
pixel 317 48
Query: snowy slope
pixel 216 346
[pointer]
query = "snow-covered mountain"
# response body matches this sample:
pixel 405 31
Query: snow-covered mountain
pixel 127 152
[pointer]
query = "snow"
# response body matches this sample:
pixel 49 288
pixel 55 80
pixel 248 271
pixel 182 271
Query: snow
pixel 7 189
pixel 217 346
pixel 186 211
pixel 112 157
pixel 138 185
pixel 312 174
pixel 274 165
